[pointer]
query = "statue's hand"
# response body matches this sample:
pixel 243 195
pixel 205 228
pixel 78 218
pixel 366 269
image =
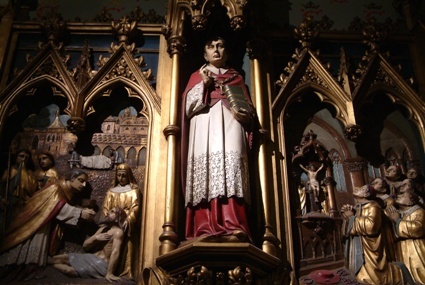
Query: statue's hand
pixel 205 75
pixel 392 213
pixel 347 211
pixel 242 116
pixel 125 226
pixel 88 214
pixel 103 237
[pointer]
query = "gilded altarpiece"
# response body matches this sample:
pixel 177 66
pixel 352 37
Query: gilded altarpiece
pixel 352 152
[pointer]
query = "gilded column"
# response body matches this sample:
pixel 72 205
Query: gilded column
pixel 255 51
pixel 169 237
pixel 330 188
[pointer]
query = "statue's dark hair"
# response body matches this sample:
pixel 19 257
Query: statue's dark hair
pixel 214 39
pixel 75 173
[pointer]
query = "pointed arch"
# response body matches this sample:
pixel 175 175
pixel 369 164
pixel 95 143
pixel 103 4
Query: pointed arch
pixel 309 74
pixel 380 77
pixel 106 79
pixel 142 157
pixel 47 67
pixel 132 157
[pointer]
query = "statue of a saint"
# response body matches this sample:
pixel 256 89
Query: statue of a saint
pixel 366 251
pixel 409 224
pixel 126 195
pixel 414 174
pixel 409 185
pixel 393 176
pixel 18 184
pixel 47 172
pixel 382 192
pixel 215 149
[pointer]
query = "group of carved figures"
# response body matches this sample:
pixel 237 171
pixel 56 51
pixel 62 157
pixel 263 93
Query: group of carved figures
pixel 218 134
pixel 385 230
pixel 37 204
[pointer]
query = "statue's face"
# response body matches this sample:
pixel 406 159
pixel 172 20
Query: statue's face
pixel 405 186
pixel 22 157
pixel 122 177
pixel 111 215
pixel 44 161
pixel 404 199
pixel 378 185
pixel 79 182
pixel 361 192
pixel 412 173
pixel 391 172
pixel 215 53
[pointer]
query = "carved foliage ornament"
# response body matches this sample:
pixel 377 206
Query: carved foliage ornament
pixel 176 45
pixel 201 275
pixel 311 76
pixel 354 166
pixel 256 49
pixel 151 17
pixel 53 26
pixel 122 30
pixel 374 34
pixel 122 69
pixel 307 31
pixel 352 132
pixel 76 125
pixel 199 22
pixel 48 67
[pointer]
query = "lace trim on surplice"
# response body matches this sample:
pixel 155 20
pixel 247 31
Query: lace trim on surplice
pixel 209 177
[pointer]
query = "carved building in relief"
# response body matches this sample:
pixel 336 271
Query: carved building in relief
pixel 341 92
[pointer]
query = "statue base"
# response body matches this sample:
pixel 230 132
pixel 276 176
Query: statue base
pixel 218 263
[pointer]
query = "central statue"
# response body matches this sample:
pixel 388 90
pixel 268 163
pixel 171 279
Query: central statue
pixel 217 122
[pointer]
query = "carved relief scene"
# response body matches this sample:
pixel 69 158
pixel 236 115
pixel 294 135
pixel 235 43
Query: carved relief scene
pixel 350 167
pixel 224 142
pixel 76 129
pixel 45 153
